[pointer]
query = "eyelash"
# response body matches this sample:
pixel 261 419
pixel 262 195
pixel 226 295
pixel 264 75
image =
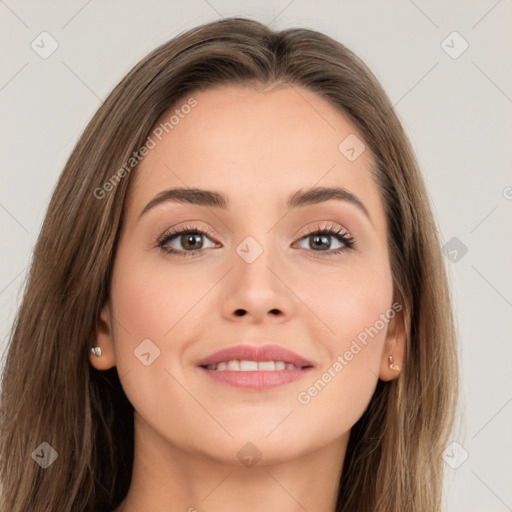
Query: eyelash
pixel 340 233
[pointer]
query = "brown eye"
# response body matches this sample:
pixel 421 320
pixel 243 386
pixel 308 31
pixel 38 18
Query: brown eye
pixel 191 241
pixel 320 240
pixel 187 240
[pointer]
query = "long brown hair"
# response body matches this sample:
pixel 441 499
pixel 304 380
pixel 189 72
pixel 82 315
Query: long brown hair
pixel 51 393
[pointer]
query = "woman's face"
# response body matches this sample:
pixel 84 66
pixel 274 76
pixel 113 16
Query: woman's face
pixel 258 277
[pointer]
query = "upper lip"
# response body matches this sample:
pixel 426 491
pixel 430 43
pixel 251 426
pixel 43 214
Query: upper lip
pixel 252 353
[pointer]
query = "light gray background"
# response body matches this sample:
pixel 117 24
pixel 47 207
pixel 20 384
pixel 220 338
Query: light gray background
pixel 457 112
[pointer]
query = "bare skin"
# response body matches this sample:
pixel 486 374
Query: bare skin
pixel 257 148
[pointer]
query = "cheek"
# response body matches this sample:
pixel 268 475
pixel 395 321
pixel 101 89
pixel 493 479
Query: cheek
pixel 350 301
pixel 355 308
pixel 361 307
pixel 155 314
pixel 164 302
pixel 155 300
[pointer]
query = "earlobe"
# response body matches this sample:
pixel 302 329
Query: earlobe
pixel 102 354
pixel 394 348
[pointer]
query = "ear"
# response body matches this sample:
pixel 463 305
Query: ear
pixel 393 346
pixel 104 340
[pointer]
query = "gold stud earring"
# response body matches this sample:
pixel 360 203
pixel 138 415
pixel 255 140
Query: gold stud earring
pixel 96 351
pixel 392 365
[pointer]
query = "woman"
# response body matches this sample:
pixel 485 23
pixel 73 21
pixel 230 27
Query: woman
pixel 237 299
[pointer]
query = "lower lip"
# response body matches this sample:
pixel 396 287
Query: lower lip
pixel 256 380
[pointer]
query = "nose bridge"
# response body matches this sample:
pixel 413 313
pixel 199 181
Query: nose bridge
pixel 255 285
pixel 258 242
pixel 256 255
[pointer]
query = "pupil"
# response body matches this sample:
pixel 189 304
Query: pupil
pixel 318 240
pixel 190 239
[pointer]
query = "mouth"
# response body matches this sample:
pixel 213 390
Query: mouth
pixel 249 358
pixel 255 368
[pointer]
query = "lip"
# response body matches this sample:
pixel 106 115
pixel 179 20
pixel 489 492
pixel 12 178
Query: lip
pixel 251 353
pixel 256 380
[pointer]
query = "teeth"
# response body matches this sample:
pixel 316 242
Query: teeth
pixel 248 366
pixel 251 366
pixel 234 365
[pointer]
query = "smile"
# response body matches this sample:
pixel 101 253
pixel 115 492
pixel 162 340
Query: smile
pixel 252 366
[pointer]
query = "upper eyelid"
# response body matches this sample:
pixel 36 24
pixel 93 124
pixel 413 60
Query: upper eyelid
pixel 327 227
pixel 172 232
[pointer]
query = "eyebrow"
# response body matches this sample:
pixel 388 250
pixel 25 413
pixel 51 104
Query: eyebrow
pixel 212 198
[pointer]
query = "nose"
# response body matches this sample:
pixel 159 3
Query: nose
pixel 256 289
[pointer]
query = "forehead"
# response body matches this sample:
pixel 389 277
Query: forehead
pixel 256 146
